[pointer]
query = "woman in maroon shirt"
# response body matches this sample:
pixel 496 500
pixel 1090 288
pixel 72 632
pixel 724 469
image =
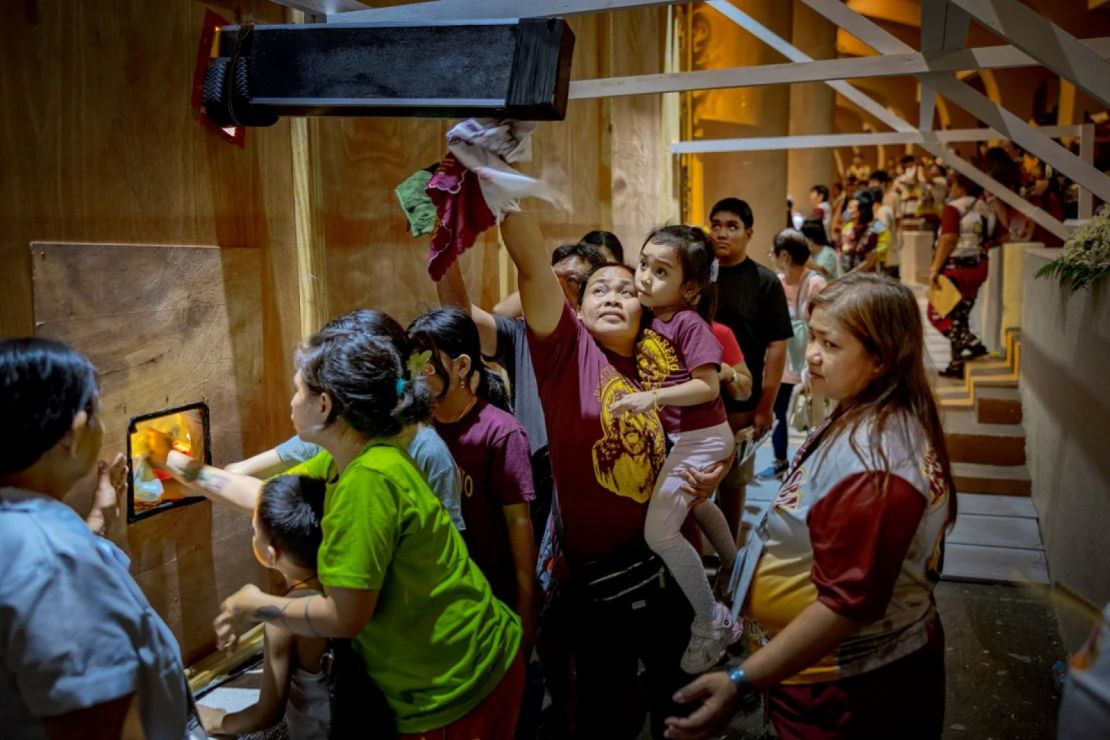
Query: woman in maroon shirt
pixel 624 608
pixel 490 447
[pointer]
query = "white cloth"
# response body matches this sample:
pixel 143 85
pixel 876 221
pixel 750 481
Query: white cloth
pixel 487 147
pixel 977 222
pixel 308 711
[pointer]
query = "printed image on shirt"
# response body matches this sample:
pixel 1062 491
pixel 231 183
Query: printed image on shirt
pixel 790 495
pixel 932 472
pixel 631 448
pixel 656 359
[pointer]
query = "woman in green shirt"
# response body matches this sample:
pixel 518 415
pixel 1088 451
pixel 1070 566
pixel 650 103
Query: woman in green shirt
pixel 396 573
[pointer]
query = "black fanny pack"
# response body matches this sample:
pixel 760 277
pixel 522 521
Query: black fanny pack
pixel 621 579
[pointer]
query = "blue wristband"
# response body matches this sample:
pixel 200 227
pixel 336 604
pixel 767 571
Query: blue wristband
pixel 738 677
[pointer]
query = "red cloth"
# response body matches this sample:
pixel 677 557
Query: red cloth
pixel 461 214
pixel 730 348
pixel 494 719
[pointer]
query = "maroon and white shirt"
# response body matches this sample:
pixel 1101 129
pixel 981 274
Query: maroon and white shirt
pixel 864 543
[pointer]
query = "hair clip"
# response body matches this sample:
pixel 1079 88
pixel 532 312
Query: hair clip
pixel 416 363
pixel 401 384
pixel 714 270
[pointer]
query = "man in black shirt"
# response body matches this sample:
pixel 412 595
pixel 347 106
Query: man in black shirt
pixel 752 303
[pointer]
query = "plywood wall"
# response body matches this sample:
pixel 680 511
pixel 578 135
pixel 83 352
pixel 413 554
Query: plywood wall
pixel 100 147
pixel 168 326
pixel 372 261
pixel 606 157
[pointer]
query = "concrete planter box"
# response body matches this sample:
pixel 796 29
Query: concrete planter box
pixel 1065 394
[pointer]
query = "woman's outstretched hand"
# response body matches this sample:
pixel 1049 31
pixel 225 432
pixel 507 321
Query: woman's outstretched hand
pixel 716 696
pixel 111 485
pixel 236 614
pixel 159 445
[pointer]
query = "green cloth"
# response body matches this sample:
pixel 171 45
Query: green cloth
pixel 439 642
pixel 416 204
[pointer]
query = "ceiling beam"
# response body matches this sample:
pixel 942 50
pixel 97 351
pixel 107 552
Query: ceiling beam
pixel 832 141
pixel 891 65
pixel 971 100
pixel 477 10
pixel 1044 41
pixel 324 7
pixel 944 27
pixel 930 142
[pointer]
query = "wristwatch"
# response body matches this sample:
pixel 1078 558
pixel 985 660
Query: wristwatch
pixel 738 677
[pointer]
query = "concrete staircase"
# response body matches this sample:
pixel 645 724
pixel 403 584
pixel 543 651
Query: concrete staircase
pixel 996 538
pixel 982 423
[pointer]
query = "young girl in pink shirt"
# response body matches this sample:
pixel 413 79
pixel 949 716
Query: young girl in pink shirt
pixel 679 363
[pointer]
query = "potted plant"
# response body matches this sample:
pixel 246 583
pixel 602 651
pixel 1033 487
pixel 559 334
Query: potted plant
pixel 1086 255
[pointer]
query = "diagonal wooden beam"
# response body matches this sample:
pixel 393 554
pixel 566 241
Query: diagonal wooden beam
pixel 971 100
pixel 930 143
pixel 794 54
pixel 1045 41
pixel 467 10
pixel 890 65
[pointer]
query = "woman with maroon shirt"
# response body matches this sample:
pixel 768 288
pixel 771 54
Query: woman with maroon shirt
pixel 490 447
pixel 970 224
pixel 845 637
pixel 624 608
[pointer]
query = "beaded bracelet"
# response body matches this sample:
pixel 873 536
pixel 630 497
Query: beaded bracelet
pixel 738 677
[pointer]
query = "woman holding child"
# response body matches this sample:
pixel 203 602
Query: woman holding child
pixel 624 607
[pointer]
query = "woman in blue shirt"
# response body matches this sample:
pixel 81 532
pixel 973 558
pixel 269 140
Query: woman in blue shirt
pixel 84 654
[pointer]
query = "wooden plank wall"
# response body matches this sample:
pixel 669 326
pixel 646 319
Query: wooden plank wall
pixel 167 326
pixel 372 261
pixel 100 147
pixel 606 157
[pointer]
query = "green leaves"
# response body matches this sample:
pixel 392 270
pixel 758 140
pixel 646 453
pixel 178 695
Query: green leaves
pixel 1086 255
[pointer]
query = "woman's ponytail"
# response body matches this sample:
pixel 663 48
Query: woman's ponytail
pixel 415 402
pixel 492 388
